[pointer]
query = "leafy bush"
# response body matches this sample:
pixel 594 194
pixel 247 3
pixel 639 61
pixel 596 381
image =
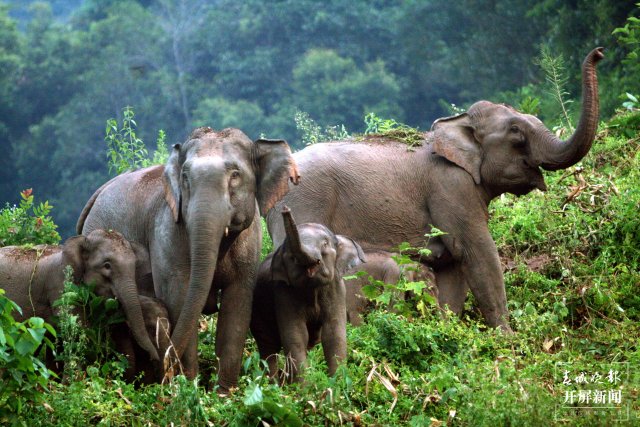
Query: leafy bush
pixel 84 325
pixel 311 133
pixel 392 129
pixel 23 375
pixel 27 223
pixel 125 151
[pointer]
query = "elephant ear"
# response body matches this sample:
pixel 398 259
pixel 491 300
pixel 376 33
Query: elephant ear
pixel 274 166
pixel 349 254
pixel 275 266
pixel 74 254
pixel 455 141
pixel 172 192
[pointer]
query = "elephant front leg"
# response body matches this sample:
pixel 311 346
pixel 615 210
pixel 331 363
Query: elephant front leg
pixel 334 342
pixel 292 326
pixel 334 327
pixel 295 350
pixel 231 333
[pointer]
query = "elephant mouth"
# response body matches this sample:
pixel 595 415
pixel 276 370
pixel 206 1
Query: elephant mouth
pixel 313 269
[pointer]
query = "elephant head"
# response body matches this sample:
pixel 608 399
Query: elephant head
pixel 312 256
pixel 111 262
pixel 212 183
pixel 503 149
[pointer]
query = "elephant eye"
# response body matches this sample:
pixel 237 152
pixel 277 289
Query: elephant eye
pixel 107 265
pixel 514 129
pixel 235 174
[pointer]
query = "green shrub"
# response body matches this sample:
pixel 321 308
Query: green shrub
pixel 27 223
pixel 125 151
pixel 84 325
pixel 22 374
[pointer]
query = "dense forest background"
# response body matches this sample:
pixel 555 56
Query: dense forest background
pixel 66 66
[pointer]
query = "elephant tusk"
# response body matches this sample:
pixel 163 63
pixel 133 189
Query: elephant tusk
pixel 226 231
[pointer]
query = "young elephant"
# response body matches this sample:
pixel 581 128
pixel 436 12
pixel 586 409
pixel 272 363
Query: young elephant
pixel 34 278
pixel 381 266
pixel 156 322
pixel 299 298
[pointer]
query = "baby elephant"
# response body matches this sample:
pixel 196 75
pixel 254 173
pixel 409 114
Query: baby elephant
pixel 299 298
pixel 156 322
pixel 381 266
pixel 34 278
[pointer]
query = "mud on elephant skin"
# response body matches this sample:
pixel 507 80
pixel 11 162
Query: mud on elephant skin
pixel 34 278
pixel 381 266
pixel 158 328
pixel 381 194
pixel 198 216
pixel 300 296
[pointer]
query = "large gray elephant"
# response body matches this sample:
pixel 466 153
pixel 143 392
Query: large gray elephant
pixel 381 194
pixel 300 296
pixel 34 277
pixel 199 217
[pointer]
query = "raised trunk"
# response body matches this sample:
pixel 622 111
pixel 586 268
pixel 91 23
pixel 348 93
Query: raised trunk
pixel 550 152
pixel 205 234
pixel 293 237
pixel 127 294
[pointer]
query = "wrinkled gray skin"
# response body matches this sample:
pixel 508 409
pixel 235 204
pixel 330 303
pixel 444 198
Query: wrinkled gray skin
pixel 381 266
pixel 299 299
pixel 199 218
pixel 156 323
pixel 382 194
pixel 34 278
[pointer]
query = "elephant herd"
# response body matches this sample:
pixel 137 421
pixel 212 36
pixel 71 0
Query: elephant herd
pixel 179 240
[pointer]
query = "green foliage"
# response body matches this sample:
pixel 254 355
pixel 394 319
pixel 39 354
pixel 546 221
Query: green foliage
pixel 337 89
pixel 556 76
pixel 632 102
pixel 27 223
pixel 125 151
pixel 84 325
pixel 267 243
pixel 312 133
pixel 392 129
pixel 629 35
pixel 405 297
pixel 23 375
pixel 161 155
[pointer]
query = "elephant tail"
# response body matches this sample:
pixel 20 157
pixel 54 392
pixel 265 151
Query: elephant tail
pixel 89 205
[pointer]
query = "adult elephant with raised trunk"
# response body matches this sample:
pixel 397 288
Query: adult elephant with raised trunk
pixel 380 193
pixel 199 217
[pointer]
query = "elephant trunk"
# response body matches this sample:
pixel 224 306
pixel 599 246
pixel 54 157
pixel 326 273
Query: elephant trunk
pixel 293 237
pixel 550 152
pixel 205 234
pixel 127 293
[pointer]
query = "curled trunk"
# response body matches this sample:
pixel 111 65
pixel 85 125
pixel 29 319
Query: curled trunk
pixel 293 237
pixel 127 294
pixel 550 152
